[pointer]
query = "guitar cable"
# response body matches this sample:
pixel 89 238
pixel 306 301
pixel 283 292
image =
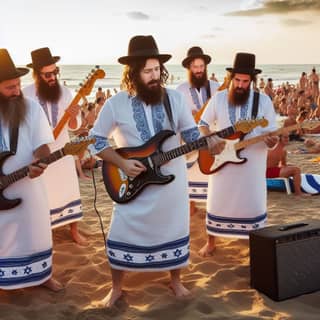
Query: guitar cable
pixel 96 209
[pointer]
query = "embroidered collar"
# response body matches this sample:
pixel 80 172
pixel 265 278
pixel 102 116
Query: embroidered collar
pixel 141 121
pixel 243 112
pixel 195 97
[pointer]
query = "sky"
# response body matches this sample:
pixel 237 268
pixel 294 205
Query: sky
pixel 98 31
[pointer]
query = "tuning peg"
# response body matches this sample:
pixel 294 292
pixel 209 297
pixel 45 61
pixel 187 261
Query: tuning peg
pixel 80 84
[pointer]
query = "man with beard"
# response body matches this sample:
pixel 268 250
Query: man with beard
pixel 197 91
pixel 65 207
pixel 151 232
pixel 237 193
pixel 25 234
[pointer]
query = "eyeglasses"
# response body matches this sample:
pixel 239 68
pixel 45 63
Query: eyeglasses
pixel 48 75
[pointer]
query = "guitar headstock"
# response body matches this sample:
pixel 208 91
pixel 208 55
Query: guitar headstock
pixel 87 86
pixel 310 124
pixel 78 145
pixel 246 126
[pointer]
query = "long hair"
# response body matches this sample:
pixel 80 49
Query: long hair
pixel 131 73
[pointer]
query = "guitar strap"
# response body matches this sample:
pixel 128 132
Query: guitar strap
pixel 168 109
pixel 255 105
pixel 14 133
pixel 208 90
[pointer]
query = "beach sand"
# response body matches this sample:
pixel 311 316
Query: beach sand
pixel 220 284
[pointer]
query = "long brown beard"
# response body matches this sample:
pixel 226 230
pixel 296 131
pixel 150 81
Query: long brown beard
pixel 150 95
pixel 13 110
pixel 48 93
pixel 238 96
pixel 198 81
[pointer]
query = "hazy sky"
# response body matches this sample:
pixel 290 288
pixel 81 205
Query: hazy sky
pixel 98 31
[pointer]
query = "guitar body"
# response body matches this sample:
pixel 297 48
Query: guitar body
pixel 209 164
pixel 71 148
pixel 122 188
pixel 5 204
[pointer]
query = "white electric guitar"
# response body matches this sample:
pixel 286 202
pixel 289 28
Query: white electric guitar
pixel 209 164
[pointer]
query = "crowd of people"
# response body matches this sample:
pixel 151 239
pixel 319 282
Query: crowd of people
pixel 150 233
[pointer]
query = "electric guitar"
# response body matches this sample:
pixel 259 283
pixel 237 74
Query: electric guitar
pixel 84 90
pixel 122 188
pixel 71 148
pixel 209 164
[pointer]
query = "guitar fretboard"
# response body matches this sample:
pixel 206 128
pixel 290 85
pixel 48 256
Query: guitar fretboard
pixel 188 147
pixel 244 143
pixel 23 172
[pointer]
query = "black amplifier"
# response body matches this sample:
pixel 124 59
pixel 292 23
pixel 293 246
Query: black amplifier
pixel 285 259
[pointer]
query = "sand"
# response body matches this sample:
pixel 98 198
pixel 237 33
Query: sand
pixel 220 284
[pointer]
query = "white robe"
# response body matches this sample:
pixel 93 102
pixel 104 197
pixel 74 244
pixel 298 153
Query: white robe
pixel 237 192
pixel 198 182
pixel 61 177
pixel 150 232
pixel 25 234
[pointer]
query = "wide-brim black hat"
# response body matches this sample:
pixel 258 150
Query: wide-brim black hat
pixel 42 57
pixel 143 47
pixel 193 53
pixel 244 63
pixel 8 70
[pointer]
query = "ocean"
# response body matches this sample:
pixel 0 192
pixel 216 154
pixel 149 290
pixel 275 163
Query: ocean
pixel 73 75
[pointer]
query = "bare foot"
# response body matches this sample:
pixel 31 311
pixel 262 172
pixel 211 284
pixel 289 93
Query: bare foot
pixel 79 239
pixel 179 290
pixel 207 250
pixel 112 297
pixel 302 194
pixel 53 285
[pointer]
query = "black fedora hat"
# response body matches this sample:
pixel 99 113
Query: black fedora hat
pixel 193 53
pixel 244 63
pixel 143 47
pixel 42 57
pixel 8 70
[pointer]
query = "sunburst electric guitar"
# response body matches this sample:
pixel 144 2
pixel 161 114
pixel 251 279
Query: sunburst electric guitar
pixel 122 188
pixel 83 91
pixel 71 148
pixel 231 154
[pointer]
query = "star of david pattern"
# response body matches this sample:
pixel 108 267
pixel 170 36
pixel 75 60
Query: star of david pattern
pixel 234 226
pixel 25 270
pixel 71 212
pixel 198 190
pixel 164 256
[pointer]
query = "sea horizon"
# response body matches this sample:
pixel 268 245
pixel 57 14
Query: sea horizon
pixel 73 74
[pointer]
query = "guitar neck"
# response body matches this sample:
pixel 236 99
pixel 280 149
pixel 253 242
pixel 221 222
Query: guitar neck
pixel 65 118
pixel 244 143
pixel 195 145
pixel 23 172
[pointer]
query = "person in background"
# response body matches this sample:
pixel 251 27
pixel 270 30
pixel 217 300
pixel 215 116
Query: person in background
pixel 65 207
pixel 268 89
pixel 277 165
pixel 100 93
pixel 197 91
